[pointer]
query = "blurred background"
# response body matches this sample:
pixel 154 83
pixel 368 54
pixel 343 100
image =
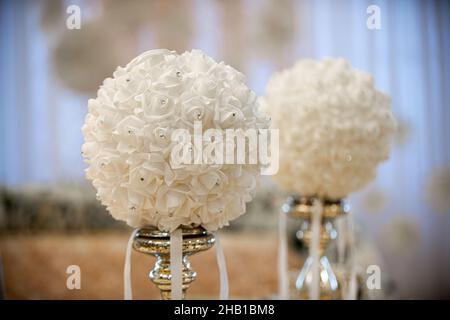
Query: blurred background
pixel 50 219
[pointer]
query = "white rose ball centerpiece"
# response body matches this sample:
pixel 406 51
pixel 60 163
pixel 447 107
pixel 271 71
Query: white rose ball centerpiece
pixel 131 134
pixel 335 127
pixel 128 141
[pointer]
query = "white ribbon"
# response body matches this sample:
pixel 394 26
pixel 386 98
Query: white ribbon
pixel 353 285
pixel 283 281
pixel 314 293
pixel 127 291
pixel 223 274
pixel 342 229
pixel 176 264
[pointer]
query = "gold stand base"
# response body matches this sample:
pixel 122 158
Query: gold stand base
pixel 302 207
pixel 157 243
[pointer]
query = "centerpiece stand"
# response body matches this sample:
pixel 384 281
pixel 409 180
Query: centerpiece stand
pixel 330 285
pixel 157 243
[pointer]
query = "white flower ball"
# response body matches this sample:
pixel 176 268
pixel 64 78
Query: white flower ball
pixel 128 141
pixel 335 127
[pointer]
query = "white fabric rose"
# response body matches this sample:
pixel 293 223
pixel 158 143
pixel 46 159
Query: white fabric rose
pixel 335 127
pixel 128 132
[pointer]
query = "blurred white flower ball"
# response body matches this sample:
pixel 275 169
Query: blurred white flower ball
pixel 128 141
pixel 374 200
pixel 401 235
pixel 438 190
pixel 83 58
pixel 335 127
